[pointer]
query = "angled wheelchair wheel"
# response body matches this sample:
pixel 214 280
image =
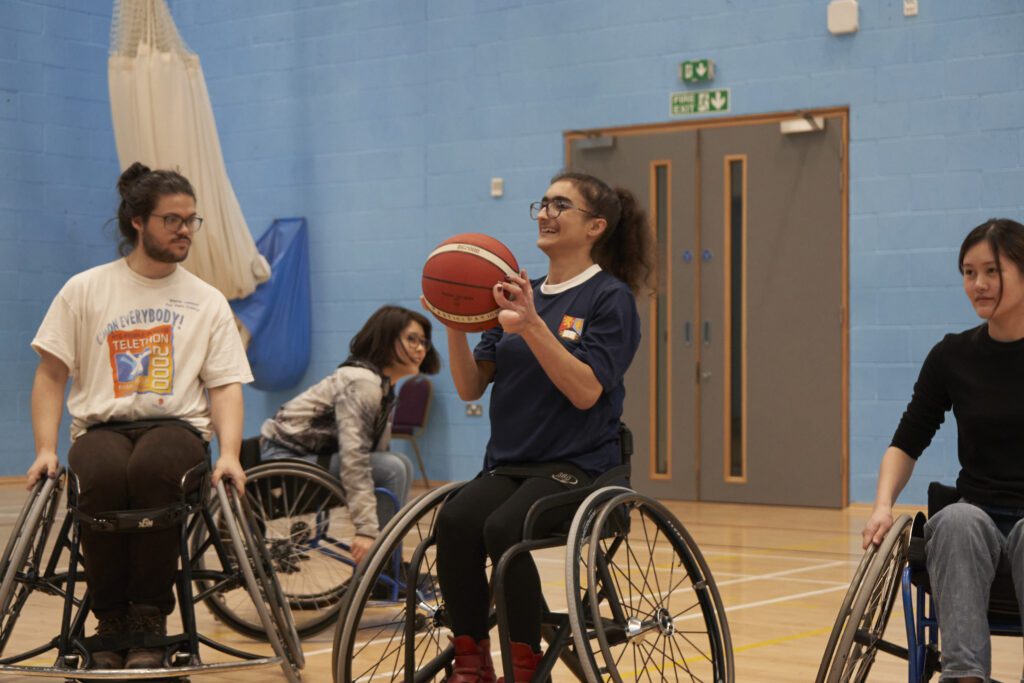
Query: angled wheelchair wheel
pixel 844 612
pixel 264 592
pixel 587 649
pixel 865 612
pixel 23 563
pixel 648 607
pixel 393 628
pixel 300 511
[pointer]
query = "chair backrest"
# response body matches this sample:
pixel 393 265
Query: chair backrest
pixel 625 444
pixel 249 453
pixel 940 495
pixel 413 403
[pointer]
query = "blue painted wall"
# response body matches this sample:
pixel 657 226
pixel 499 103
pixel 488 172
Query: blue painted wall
pixel 383 121
pixel 58 168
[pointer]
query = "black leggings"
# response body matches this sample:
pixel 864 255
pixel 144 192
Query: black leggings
pixel 127 470
pixel 482 520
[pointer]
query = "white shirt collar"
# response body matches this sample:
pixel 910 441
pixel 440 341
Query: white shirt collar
pixel 590 272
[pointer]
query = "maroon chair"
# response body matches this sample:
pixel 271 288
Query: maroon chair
pixel 411 410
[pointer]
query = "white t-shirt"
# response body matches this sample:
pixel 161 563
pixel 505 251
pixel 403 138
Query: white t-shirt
pixel 139 348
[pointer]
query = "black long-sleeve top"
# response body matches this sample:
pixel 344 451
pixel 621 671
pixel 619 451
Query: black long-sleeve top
pixel 982 380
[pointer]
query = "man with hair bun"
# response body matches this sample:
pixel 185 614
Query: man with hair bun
pixel 156 367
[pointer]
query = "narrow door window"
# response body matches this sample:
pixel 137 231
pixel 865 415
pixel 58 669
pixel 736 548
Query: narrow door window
pixel 735 317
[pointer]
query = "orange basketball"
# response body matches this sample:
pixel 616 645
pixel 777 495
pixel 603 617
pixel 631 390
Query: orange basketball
pixel 458 278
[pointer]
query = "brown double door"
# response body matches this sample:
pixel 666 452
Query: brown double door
pixel 738 391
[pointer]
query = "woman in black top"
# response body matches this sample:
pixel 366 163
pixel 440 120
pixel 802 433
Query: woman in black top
pixel 979 374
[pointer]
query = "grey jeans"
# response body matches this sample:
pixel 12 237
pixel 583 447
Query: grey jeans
pixel 964 546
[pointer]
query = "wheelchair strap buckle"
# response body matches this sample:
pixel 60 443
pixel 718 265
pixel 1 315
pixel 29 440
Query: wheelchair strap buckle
pixel 123 521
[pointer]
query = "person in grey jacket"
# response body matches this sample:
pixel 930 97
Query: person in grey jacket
pixel 347 417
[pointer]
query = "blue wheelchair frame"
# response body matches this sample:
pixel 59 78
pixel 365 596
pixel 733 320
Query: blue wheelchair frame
pixel 860 627
pixel 923 628
pixel 323 543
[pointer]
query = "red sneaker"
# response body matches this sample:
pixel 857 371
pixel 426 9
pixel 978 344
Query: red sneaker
pixel 472 661
pixel 524 662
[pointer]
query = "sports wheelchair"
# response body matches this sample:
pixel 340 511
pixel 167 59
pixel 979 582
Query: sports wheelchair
pixel 222 548
pixel 300 509
pixel 642 602
pixel 899 563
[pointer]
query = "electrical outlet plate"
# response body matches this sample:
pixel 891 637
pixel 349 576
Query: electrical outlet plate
pixel 910 8
pixel 474 410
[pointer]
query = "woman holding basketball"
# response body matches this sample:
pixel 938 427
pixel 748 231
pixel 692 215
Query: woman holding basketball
pixel 557 362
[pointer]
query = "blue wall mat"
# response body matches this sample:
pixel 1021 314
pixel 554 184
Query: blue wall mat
pixel 277 314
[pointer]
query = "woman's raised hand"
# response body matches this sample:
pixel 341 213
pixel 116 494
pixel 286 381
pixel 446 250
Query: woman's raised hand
pixel 515 298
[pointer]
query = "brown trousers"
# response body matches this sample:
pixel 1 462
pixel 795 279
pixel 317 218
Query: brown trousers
pixel 127 469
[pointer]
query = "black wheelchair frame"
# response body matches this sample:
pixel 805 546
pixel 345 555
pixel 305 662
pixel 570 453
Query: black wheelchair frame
pixel 602 615
pixel 212 523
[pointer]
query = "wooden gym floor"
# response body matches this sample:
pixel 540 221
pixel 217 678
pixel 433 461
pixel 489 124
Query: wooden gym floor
pixel 782 573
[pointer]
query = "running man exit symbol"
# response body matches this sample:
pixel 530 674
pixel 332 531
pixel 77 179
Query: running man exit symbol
pixel 697 71
pixel 700 102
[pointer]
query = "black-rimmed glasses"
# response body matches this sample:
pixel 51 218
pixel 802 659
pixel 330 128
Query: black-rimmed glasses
pixel 414 340
pixel 555 207
pixel 173 222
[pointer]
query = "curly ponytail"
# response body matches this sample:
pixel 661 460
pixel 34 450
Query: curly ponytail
pixel 624 247
pixel 140 189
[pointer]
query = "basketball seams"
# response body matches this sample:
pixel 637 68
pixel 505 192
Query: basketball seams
pixel 474 250
pixel 453 282
pixel 465 319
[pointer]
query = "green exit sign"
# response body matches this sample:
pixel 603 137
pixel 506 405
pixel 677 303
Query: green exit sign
pixel 700 102
pixel 697 71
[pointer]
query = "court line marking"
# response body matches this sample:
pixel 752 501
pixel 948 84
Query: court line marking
pixel 724 554
pixel 785 572
pixel 797 579
pixel 772 601
pixel 782 639
pixel 734 608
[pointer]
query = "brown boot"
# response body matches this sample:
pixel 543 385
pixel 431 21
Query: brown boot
pixel 524 663
pixel 472 661
pixel 110 627
pixel 150 621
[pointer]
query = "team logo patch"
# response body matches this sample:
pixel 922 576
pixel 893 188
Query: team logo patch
pixel 142 361
pixel 565 478
pixel 570 328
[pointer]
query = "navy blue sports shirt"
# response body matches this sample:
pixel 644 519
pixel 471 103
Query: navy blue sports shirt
pixel 594 316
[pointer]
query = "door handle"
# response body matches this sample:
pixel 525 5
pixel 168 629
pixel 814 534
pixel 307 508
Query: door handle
pixel 687 336
pixel 707 332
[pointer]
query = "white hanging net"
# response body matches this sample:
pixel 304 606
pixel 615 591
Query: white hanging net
pixel 162 117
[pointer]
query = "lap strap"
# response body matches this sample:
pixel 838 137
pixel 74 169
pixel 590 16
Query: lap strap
pixel 565 473
pixel 152 519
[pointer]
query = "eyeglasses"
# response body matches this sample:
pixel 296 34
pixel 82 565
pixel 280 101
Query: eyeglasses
pixel 555 207
pixel 414 340
pixel 173 222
